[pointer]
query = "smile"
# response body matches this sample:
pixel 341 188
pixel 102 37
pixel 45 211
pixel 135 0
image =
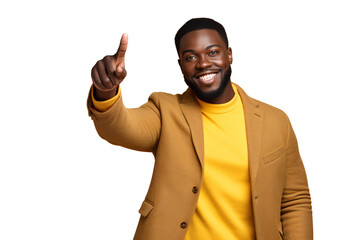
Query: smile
pixel 207 78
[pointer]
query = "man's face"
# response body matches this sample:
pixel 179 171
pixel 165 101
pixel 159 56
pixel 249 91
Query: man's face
pixel 205 63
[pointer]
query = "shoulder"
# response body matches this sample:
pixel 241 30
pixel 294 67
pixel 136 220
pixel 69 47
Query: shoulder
pixel 271 111
pixel 274 120
pixel 161 98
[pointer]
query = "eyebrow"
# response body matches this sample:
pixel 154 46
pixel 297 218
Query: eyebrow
pixel 208 47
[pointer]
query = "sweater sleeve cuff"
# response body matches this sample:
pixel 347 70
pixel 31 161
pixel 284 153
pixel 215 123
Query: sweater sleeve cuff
pixel 103 106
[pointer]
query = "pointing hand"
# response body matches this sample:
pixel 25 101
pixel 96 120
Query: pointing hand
pixel 109 72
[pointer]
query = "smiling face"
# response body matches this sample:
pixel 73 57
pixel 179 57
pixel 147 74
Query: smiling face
pixel 205 63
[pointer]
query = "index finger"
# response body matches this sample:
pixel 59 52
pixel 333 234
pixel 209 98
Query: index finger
pixel 120 54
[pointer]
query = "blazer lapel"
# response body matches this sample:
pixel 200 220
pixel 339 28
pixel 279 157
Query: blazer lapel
pixel 192 113
pixel 254 129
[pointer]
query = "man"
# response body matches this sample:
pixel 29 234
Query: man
pixel 226 166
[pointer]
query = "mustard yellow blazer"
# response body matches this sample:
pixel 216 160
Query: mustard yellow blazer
pixel 170 126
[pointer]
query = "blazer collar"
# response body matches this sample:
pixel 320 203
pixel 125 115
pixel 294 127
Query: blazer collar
pixel 254 127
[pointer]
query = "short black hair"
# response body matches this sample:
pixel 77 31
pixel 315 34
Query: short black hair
pixel 197 24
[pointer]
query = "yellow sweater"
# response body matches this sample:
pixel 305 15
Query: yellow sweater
pixel 224 208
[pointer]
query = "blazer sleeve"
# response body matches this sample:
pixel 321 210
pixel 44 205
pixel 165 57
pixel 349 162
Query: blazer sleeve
pixel 296 210
pixel 134 128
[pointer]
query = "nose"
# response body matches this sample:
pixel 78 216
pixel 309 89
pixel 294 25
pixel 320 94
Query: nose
pixel 203 62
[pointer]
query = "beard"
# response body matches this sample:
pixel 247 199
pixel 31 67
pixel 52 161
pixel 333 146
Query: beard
pixel 207 97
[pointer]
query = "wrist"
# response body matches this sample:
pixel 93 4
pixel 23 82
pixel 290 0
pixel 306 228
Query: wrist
pixel 100 95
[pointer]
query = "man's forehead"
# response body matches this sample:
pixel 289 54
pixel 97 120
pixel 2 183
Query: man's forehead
pixel 201 37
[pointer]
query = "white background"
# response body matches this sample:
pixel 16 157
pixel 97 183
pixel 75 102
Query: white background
pixel 60 180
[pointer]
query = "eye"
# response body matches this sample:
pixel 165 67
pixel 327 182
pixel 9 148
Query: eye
pixel 213 53
pixel 190 58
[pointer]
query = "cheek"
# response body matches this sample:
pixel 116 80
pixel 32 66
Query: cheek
pixel 187 69
pixel 221 62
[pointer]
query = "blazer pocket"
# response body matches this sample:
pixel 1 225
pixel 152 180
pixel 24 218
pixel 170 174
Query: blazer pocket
pixel 145 208
pixel 273 155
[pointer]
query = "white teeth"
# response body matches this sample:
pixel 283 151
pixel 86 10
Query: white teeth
pixel 207 77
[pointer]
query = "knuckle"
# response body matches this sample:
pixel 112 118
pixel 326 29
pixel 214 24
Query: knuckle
pixel 94 74
pixel 98 63
pixel 107 58
pixel 113 78
pixel 107 82
pixel 97 66
pixel 100 67
pixel 94 67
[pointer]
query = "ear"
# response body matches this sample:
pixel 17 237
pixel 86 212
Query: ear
pixel 230 55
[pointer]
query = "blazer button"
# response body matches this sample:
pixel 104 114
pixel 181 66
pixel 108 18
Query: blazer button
pixel 183 225
pixel 195 190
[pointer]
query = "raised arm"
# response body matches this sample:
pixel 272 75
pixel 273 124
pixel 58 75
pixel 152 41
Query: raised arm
pixel 137 128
